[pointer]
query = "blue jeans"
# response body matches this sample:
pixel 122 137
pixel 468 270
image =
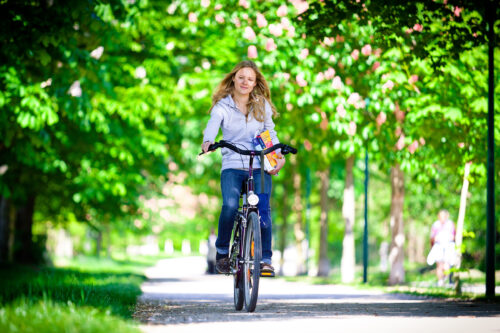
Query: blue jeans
pixel 231 185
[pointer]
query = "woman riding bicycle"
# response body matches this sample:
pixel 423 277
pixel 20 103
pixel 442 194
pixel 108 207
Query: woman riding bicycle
pixel 242 106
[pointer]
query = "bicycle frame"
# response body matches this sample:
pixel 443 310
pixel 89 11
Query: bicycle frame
pixel 241 218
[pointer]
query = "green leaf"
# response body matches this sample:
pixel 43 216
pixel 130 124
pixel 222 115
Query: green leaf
pixel 52 117
pixel 453 114
pixel 44 58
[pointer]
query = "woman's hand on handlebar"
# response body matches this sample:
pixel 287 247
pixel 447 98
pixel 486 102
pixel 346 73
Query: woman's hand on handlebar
pixel 205 145
pixel 280 162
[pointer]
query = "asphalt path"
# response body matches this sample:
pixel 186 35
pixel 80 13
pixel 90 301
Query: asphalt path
pixel 179 297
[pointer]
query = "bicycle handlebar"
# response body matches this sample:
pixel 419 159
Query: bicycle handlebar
pixel 285 149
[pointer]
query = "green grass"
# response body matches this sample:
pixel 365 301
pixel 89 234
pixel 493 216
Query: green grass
pixel 84 295
pixel 48 316
pixel 421 280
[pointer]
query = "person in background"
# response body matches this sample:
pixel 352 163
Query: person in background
pixel 443 251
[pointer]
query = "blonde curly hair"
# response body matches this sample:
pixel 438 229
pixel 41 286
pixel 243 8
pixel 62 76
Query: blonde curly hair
pixel 260 93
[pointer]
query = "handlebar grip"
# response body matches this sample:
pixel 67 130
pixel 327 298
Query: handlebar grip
pixel 287 149
pixel 212 147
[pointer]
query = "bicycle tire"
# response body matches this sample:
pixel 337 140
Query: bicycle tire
pixel 239 295
pixel 237 268
pixel 251 266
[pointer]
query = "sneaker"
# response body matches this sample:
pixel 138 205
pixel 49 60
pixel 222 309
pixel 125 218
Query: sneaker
pixel 266 270
pixel 222 266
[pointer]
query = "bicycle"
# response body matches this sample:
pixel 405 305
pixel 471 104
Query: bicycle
pixel 245 256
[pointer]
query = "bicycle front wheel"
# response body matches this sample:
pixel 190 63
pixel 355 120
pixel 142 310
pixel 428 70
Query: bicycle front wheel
pixel 252 254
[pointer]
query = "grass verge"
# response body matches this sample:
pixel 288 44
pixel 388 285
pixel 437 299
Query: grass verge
pixel 84 295
pixel 48 316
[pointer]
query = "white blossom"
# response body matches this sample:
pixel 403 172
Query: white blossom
pixel 140 72
pixel 47 83
pixel 170 46
pixel 97 53
pixel 75 89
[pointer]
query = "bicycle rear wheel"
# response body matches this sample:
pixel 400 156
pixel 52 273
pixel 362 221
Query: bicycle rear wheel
pixel 238 290
pixel 237 267
pixel 252 254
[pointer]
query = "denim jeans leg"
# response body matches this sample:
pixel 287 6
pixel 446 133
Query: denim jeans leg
pixel 266 232
pixel 231 183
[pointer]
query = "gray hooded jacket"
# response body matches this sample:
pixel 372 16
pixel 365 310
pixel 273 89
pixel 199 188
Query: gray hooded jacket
pixel 238 130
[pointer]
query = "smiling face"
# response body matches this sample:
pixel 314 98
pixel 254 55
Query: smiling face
pixel 244 81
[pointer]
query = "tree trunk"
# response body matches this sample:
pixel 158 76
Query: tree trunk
pixel 4 228
pixel 98 241
pixel 421 242
pixel 12 232
pixel 383 252
pixel 284 228
pixel 108 240
pixel 460 224
pixel 324 262
pixel 23 238
pixel 299 222
pixel 416 242
pixel 396 252
pixel 412 241
pixel 347 265
pixel 461 211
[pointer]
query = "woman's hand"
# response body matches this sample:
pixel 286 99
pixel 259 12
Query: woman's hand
pixel 280 162
pixel 205 145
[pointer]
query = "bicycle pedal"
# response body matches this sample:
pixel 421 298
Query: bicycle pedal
pixel 267 274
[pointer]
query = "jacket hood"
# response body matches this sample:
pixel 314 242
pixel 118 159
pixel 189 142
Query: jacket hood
pixel 228 101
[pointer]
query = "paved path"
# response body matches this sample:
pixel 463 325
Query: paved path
pixel 179 297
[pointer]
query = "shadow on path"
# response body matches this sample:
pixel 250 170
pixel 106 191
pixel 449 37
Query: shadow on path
pixel 210 308
pixel 172 299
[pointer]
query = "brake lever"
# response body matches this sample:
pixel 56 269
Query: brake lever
pixel 208 151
